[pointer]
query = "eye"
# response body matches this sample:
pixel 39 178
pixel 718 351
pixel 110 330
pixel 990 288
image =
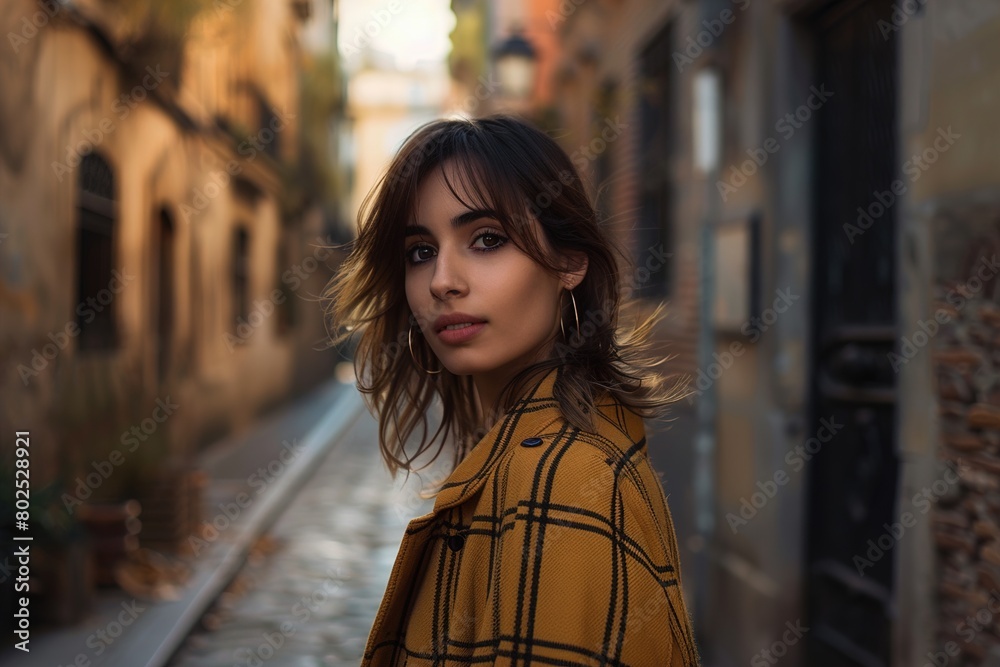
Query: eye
pixel 492 240
pixel 414 256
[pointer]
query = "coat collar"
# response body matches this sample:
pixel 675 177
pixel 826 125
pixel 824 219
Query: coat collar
pixel 536 414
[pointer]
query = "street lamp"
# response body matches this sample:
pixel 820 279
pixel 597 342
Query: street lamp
pixel 515 63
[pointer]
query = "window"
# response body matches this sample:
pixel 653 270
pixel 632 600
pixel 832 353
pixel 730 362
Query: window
pixel 96 293
pixel 241 276
pixel 269 132
pixel 163 310
pixel 656 146
pixel 286 309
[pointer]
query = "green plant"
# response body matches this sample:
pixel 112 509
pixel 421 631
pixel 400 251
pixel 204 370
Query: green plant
pixel 96 412
pixel 48 521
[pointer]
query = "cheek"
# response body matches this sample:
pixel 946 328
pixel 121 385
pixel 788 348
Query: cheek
pixel 528 295
pixel 410 289
pixel 413 302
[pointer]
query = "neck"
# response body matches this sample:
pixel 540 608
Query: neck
pixel 488 388
pixel 489 385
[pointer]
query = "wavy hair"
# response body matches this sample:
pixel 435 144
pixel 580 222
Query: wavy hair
pixel 511 167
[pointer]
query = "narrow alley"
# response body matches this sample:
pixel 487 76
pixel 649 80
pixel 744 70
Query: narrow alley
pixel 309 591
pixel 204 214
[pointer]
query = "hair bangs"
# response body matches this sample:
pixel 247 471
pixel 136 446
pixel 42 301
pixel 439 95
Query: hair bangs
pixel 502 164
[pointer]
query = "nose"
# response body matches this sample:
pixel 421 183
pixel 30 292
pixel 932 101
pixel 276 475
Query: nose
pixel 448 278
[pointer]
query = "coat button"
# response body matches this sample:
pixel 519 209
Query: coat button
pixel 456 542
pixel 531 442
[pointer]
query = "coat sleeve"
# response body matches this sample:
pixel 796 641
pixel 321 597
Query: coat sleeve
pixel 588 570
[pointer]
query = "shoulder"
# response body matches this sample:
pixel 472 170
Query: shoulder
pixel 566 465
pixel 616 436
pixel 575 488
pixel 593 471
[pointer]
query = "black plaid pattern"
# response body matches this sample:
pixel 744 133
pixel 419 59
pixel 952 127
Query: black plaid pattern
pixel 561 553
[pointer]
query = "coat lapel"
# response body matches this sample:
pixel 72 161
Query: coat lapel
pixel 536 414
pixel 532 415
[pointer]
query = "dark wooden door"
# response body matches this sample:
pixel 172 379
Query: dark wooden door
pixel 853 478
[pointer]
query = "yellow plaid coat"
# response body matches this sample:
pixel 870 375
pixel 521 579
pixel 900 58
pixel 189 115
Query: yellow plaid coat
pixel 547 545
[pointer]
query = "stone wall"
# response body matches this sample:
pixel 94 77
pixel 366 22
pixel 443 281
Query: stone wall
pixel 74 95
pixel 965 338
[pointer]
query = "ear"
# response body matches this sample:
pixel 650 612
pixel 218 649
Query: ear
pixel 575 269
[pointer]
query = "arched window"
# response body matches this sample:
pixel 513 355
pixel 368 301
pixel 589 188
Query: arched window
pixel 163 310
pixel 97 286
pixel 241 276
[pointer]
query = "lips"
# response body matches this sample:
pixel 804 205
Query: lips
pixel 455 318
pixel 462 333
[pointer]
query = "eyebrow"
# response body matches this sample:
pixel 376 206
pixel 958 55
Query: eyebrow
pixel 458 221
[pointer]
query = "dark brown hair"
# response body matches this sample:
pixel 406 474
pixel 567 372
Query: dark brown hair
pixel 515 169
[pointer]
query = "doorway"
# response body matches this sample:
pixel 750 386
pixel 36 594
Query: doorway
pixel 853 479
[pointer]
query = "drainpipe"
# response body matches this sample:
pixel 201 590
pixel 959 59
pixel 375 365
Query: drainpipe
pixel 707 110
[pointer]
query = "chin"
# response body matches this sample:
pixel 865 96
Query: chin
pixel 465 368
pixel 460 363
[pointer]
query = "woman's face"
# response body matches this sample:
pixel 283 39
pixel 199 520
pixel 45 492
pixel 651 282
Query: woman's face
pixel 459 261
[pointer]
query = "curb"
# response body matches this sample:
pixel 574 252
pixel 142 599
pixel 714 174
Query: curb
pixel 316 446
pixel 154 631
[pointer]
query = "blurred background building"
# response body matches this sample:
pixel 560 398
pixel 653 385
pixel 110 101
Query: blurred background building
pixel 168 184
pixel 385 104
pixel 820 175
pixel 808 184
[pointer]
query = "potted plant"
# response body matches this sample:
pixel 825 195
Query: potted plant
pixel 60 583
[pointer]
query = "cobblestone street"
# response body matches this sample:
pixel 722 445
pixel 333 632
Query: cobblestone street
pixel 308 594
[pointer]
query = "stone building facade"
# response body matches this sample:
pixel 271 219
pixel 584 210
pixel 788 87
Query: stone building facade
pixel 151 256
pixel 821 174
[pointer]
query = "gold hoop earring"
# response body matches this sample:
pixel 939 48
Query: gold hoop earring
pixel 409 342
pixel 576 316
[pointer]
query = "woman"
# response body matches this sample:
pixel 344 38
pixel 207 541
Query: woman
pixel 482 282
